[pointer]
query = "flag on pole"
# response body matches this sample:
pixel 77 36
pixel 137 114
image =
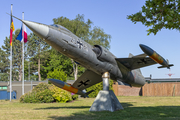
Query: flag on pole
pixel 20 36
pixel 11 34
pixel 11 30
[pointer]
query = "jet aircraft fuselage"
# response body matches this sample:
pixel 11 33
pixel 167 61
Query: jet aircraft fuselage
pixel 96 59
pixel 86 55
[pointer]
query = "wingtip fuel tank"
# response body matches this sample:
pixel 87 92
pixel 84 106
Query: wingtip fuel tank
pixel 155 56
pixel 67 87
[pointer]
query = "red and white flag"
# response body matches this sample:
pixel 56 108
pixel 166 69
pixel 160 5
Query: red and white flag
pixel 20 36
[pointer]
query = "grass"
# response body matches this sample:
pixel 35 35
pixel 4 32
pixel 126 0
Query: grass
pixel 148 108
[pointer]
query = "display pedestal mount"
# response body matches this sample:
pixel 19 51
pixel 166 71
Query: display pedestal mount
pixel 106 100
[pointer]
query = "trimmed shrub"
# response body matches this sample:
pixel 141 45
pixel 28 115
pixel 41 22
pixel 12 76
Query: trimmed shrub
pixel 47 93
pixel 97 87
pixel 41 87
pixel 45 96
pixel 40 94
pixel 60 95
pixel 75 97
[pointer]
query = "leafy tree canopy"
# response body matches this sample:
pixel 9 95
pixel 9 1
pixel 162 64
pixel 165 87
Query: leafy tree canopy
pixel 16 56
pixel 57 74
pixel 158 14
pixel 83 29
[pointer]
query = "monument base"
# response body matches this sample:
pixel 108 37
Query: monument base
pixel 106 101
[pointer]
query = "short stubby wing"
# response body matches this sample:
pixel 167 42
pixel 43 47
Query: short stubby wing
pixel 87 79
pixel 136 62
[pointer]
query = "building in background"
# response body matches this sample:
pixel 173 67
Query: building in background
pixel 16 88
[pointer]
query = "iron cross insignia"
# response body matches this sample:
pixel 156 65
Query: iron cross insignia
pixel 83 83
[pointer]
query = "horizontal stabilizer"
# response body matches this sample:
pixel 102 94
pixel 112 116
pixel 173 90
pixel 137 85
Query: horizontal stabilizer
pixel 166 66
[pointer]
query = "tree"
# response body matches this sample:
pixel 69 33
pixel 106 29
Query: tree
pixel 35 48
pixel 16 55
pixel 57 74
pixel 158 14
pixel 83 30
pixel 99 37
pixel 55 60
pixel 4 66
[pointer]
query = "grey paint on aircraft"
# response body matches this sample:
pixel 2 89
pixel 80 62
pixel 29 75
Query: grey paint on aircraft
pixel 96 59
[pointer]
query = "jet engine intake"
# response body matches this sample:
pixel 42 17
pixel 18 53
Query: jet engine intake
pixel 103 54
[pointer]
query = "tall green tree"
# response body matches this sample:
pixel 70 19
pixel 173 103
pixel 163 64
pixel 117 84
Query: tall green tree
pixel 34 50
pixel 16 55
pixel 55 60
pixel 83 29
pixel 58 61
pixel 158 14
pixel 4 66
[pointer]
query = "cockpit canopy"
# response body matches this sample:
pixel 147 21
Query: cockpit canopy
pixel 60 27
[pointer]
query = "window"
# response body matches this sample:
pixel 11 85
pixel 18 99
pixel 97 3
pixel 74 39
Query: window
pixel 54 25
pixel 61 27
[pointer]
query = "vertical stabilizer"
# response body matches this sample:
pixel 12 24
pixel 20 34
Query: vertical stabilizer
pixel 130 55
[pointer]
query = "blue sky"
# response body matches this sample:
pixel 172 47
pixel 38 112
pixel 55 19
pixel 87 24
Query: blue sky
pixel 108 15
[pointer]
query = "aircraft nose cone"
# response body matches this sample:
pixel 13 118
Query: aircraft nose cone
pixel 39 29
pixel 147 50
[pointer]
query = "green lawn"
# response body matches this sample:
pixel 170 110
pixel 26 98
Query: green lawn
pixel 154 108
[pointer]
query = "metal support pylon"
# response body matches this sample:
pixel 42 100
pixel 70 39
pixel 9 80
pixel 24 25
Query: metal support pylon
pixel 105 78
pixel 106 100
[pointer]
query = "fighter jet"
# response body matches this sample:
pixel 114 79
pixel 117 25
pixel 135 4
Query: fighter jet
pixel 96 59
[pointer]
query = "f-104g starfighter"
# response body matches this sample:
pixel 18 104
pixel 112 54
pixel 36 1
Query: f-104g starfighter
pixel 96 59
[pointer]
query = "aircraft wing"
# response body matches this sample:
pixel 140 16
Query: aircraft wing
pixel 136 62
pixel 87 79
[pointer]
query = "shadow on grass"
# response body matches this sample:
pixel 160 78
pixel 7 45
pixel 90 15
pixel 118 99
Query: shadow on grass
pixel 130 112
pixel 125 105
pixel 66 107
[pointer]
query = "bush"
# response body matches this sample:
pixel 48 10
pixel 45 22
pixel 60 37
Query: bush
pixel 46 93
pixel 57 74
pixel 45 96
pixel 97 87
pixel 60 95
pixel 27 98
pixel 75 97
pixel 40 94
pixel 41 87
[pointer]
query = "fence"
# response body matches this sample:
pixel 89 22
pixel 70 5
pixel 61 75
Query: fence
pixel 161 89
pixel 151 89
pixel 122 90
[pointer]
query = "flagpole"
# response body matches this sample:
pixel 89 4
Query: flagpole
pixel 11 61
pixel 23 55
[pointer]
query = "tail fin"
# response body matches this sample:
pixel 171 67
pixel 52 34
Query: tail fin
pixel 130 55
